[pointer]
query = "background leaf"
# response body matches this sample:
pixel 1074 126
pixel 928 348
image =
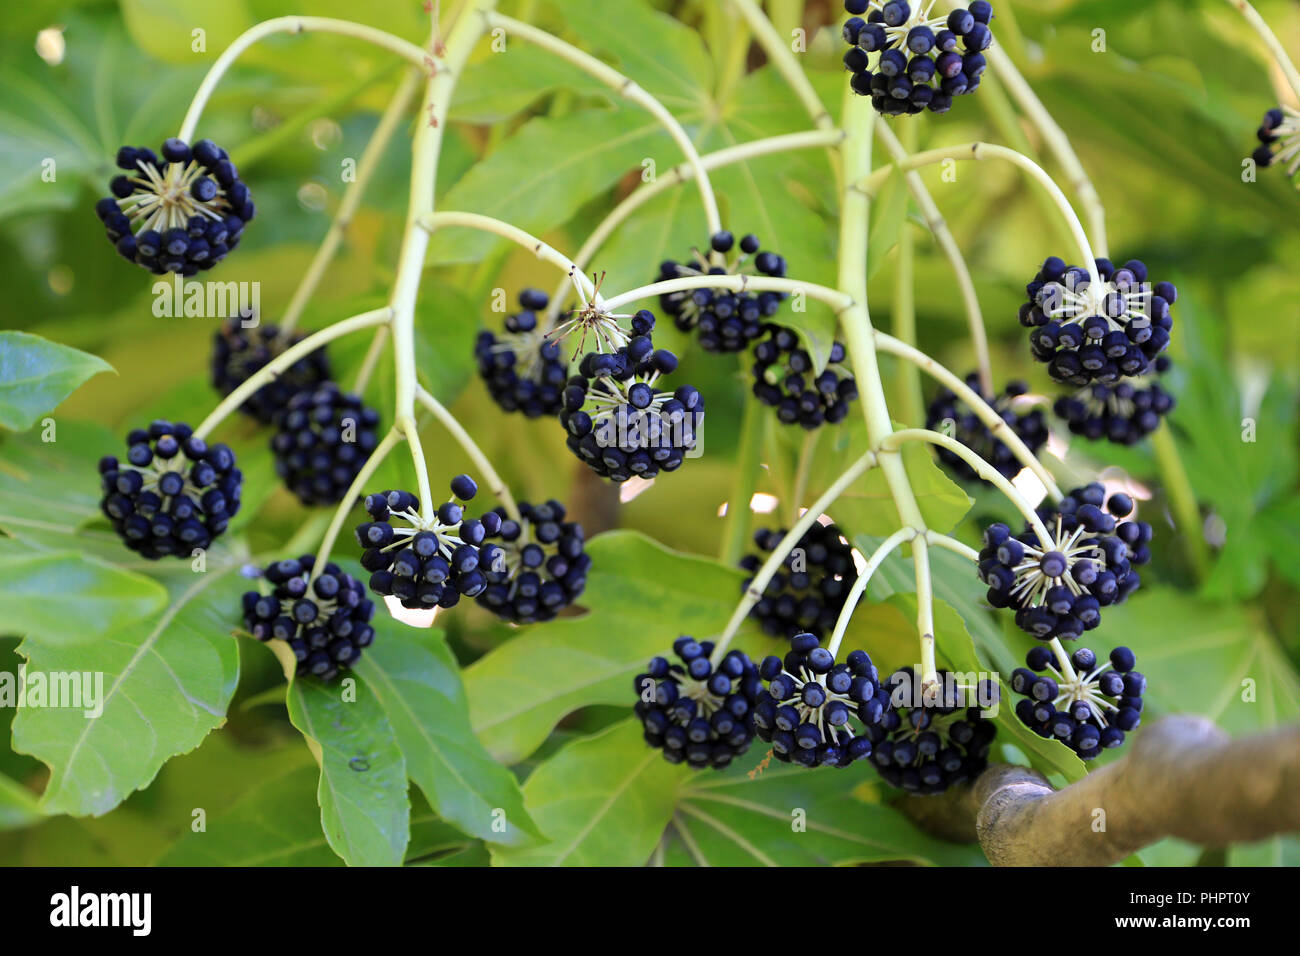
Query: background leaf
pixel 36 375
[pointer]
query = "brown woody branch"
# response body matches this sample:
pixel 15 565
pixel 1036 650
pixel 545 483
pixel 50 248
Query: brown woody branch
pixel 1182 777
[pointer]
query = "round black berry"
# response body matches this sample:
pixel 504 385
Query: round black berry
pixel 1088 335
pixel 1279 137
pixel 816 712
pixel 1059 589
pixel 182 212
pixel 536 566
pixel 520 366
pixel 726 321
pixel 325 437
pixel 807 594
pixel 786 379
pixel 930 740
pixel 1086 705
pixel 1123 413
pixel 697 711
pixel 326 621
pixel 951 416
pixel 172 493
pixel 239 351
pixel 425 561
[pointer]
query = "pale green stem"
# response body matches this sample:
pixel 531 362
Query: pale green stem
pixel 403 48
pixel 1260 26
pixel 470 220
pixel 949 543
pixel 352 195
pixel 983 151
pixel 779 53
pixel 288 357
pixel 411 429
pixel 884 550
pixel 350 498
pixel 911 403
pixel 803 469
pixel 680 174
pixel 471 449
pixel 997 427
pixel 787 544
pixel 628 89
pixel 980 467
pixel 371 359
pixel 943 236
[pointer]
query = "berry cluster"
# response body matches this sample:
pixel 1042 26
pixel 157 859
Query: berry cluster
pixel 521 367
pixel 815 712
pixel 1123 413
pixel 536 566
pixel 909 57
pixel 1059 588
pixel 726 321
pixel 173 493
pixel 694 711
pixel 950 415
pixel 784 380
pixel 325 620
pixel 1279 137
pixel 239 352
pixel 425 562
pixel 180 212
pixel 618 422
pixel 928 742
pixel 1087 334
pixel 1087 706
pixel 808 594
pixel 324 439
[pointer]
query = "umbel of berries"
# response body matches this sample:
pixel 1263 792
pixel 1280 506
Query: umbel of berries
pixel 179 210
pixel 535 566
pixel 521 368
pixel 325 437
pixel 929 741
pixel 325 619
pixel 172 492
pixel 619 422
pixel 806 595
pixel 1279 138
pixel 816 712
pixel 1123 413
pixel 1089 334
pixel 786 379
pixel 950 415
pixel 1087 705
pixel 725 321
pixel 910 56
pixel 425 562
pixel 695 711
pixel 239 351
pixel 1059 588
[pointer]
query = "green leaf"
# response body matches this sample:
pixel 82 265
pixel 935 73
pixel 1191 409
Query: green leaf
pixel 273 824
pixel 521 690
pixel 364 809
pixel 601 801
pixel 36 375
pixel 416 679
pixel 500 85
pixel 166 29
pixel 790 816
pixel 167 680
pixel 57 597
pixel 588 152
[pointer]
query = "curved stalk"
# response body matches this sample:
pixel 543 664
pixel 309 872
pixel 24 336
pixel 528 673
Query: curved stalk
pixel 471 448
pixel 949 543
pixel 365 170
pixel 371 359
pixel 884 550
pixel 943 236
pixel 628 89
pixel 273 368
pixel 1260 26
pixel 997 427
pixel 792 538
pixel 396 44
pixel 350 499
